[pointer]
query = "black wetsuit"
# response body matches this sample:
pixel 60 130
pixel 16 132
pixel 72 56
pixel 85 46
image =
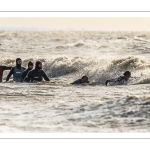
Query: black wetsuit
pixel 119 80
pixel 79 81
pixel 36 75
pixel 24 74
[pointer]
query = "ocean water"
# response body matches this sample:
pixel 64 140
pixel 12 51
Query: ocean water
pixel 57 106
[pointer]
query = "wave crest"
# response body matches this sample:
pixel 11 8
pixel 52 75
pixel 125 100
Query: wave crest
pixel 97 69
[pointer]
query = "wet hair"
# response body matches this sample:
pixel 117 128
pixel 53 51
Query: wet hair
pixel 84 77
pixel 127 73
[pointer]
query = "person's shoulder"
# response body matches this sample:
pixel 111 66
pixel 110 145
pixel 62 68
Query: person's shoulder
pixel 30 71
pixel 42 70
pixel 26 70
pixel 13 67
pixel 77 81
pixel 121 77
pixel 23 67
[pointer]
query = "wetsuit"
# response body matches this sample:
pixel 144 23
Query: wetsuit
pixel 78 82
pixel 119 80
pixel 2 68
pixel 24 74
pixel 16 71
pixel 36 75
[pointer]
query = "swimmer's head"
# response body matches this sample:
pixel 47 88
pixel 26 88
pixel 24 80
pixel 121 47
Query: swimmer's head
pixel 84 79
pixel 30 65
pixel 127 75
pixel 38 65
pixel 18 61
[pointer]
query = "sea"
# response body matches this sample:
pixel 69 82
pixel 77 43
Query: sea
pixel 58 106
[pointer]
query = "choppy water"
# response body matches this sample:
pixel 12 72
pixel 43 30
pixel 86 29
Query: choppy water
pixel 60 107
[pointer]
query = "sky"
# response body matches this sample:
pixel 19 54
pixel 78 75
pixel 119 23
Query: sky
pixel 79 24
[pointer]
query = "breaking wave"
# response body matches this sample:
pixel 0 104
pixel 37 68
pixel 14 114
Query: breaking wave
pixel 98 70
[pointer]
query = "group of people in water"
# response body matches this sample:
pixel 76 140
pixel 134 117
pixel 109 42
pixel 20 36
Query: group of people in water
pixel 21 74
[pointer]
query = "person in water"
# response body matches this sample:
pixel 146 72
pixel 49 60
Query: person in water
pixel 16 71
pixel 2 68
pixel 24 74
pixel 37 74
pixel 121 80
pixel 84 79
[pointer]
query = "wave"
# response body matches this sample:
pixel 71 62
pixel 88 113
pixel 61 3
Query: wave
pixel 140 39
pixel 139 68
pixel 61 47
pixel 79 44
pixel 129 106
pixel 130 63
pixel 98 70
pixel 130 110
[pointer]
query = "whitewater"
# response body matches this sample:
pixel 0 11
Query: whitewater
pixel 58 106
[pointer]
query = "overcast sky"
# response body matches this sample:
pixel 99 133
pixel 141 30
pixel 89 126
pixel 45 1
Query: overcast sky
pixel 101 24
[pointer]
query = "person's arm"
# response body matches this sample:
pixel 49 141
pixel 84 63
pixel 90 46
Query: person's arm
pixel 10 73
pixel 6 68
pixel 77 82
pixel 28 77
pixel 73 82
pixel 45 76
pixel 111 80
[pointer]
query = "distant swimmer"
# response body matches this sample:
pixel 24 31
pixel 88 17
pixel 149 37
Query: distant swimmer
pixel 2 68
pixel 121 80
pixel 37 74
pixel 84 79
pixel 24 74
pixel 16 71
